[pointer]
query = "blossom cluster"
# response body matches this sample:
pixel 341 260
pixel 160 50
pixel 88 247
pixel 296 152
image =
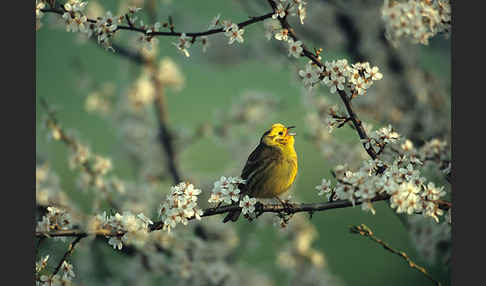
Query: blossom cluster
pixel 94 167
pixel 55 219
pixel 131 229
pixel 398 178
pixel 226 189
pixel 103 28
pixel 180 206
pixel 64 276
pixel 339 74
pixel 407 189
pixel 359 76
pixel 416 20
pixel 274 28
pixel 74 16
pixel 378 139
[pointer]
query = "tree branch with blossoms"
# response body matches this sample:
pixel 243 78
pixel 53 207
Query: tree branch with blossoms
pixel 315 58
pixel 181 207
pixel 332 74
pixel 106 27
pixel 94 166
pixel 395 180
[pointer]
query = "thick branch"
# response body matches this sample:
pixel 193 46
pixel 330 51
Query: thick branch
pixel 259 209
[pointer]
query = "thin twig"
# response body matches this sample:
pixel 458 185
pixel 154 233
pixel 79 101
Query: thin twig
pixel 172 33
pixel 366 231
pixel 66 255
pixel 52 122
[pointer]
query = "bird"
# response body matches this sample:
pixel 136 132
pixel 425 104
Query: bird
pixel 271 168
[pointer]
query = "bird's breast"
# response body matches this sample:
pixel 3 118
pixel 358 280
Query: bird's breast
pixel 280 178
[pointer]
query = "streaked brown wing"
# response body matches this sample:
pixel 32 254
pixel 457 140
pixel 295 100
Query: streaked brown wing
pixel 258 159
pixel 254 160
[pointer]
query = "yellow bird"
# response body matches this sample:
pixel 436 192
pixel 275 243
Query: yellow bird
pixel 271 168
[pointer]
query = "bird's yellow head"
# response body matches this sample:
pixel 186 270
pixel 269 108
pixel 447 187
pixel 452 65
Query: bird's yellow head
pixel 279 136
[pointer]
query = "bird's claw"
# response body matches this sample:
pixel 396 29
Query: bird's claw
pixel 287 206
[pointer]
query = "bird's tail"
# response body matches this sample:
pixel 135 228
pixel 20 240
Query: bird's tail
pixel 232 215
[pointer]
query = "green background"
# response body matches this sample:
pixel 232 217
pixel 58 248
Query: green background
pixel 210 87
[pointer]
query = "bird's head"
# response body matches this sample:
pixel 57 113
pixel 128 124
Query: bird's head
pixel 279 136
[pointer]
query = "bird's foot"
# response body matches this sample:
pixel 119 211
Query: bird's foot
pixel 288 207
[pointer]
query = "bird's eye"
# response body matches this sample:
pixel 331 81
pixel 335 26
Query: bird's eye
pixel 280 133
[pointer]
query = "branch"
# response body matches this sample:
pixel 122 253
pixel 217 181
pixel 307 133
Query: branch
pixel 291 208
pixel 259 209
pixel 165 135
pixel 132 27
pixel 344 97
pixel 52 122
pixel 366 231
pixel 68 252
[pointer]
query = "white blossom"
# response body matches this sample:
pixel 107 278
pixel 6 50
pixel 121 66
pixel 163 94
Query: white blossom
pixel 74 18
pixel 214 22
pixel 247 205
pixel 279 12
pixel 235 34
pixel 310 75
pixel 295 48
pixel 183 44
pixel 324 188
pixel 282 35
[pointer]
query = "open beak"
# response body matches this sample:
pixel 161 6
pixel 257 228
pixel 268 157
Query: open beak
pixel 291 133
